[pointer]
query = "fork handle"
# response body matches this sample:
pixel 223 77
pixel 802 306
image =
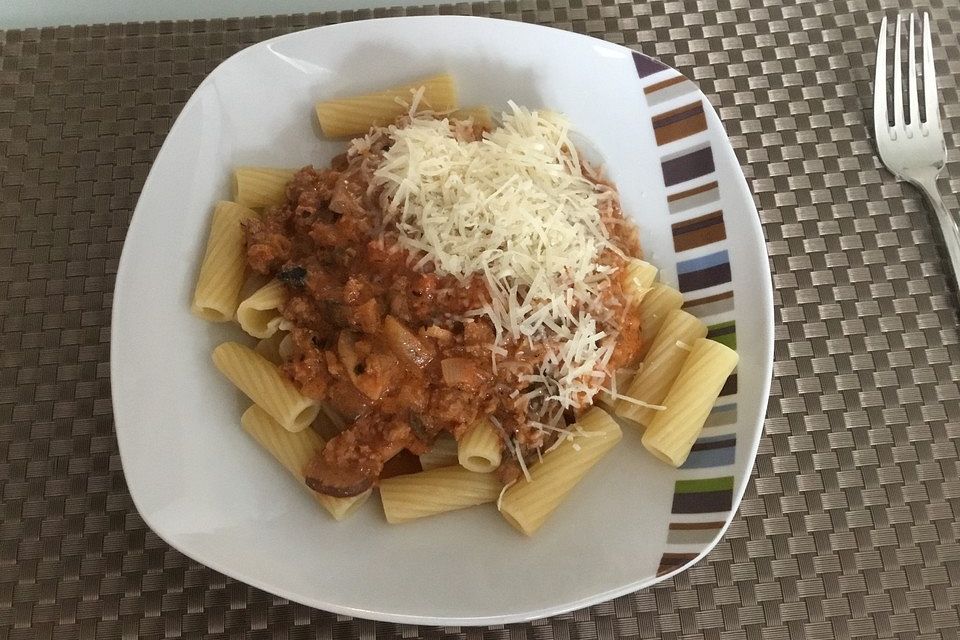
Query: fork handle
pixel 949 224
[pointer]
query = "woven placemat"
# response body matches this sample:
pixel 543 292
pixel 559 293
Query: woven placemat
pixel 849 525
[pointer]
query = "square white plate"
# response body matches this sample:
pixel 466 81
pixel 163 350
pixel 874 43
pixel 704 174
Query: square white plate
pixel 208 490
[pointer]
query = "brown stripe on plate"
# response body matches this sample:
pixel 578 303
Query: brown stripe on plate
pixel 682 526
pixel 672 561
pixel 679 123
pixel 698 232
pixel 669 82
pixel 693 532
pixel 710 305
pixel 696 197
pixel 669 89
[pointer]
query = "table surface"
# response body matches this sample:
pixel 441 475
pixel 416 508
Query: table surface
pixel 849 524
pixel 19 14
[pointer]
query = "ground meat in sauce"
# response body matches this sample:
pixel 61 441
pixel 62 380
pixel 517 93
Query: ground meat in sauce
pixel 371 332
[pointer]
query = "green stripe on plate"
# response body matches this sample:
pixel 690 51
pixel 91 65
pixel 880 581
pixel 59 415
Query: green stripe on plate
pixel 704 486
pixel 727 339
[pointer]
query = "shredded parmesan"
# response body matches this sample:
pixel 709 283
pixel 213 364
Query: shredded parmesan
pixel 614 395
pixel 502 493
pixel 640 403
pixel 523 464
pixel 516 208
pixel 555 444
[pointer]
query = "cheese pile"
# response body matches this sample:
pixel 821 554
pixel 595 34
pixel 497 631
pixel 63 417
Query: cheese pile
pixel 515 207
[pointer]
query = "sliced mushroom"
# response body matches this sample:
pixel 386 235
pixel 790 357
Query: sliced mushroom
pixel 405 343
pixel 463 373
pixel 293 276
pixel 336 481
pixel 420 429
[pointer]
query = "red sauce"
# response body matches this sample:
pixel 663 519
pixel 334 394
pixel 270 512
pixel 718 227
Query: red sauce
pixel 373 336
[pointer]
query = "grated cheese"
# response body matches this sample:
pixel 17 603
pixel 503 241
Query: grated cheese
pixel 502 493
pixel 523 464
pixel 615 395
pixel 516 208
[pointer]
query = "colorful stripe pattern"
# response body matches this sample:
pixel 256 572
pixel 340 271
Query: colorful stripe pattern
pixel 699 231
pixel 693 532
pixel 704 272
pixel 679 123
pixel 712 451
pixel 670 562
pixel 703 492
pixel 687 164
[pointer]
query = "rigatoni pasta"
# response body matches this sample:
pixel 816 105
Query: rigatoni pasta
pixel 607 398
pixel 355 115
pixel 639 278
pixel 294 451
pixel 479 448
pixel 259 314
pixel 428 493
pixel 443 453
pixel 257 187
pixel 415 299
pixel 667 353
pixel 528 503
pixel 223 266
pixel 285 347
pixel 673 431
pixel 658 302
pixel 269 348
pixel 263 383
pixel 480 116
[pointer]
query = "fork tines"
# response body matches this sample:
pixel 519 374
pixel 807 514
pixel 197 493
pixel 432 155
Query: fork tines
pixel 931 113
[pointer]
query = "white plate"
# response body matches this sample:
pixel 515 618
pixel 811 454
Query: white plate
pixel 205 487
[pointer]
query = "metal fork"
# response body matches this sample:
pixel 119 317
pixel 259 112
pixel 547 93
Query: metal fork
pixel 912 149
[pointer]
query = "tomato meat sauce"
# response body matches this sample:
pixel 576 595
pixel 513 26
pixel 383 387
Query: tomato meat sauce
pixel 392 348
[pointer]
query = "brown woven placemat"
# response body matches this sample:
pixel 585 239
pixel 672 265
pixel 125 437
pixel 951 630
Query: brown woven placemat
pixel 849 525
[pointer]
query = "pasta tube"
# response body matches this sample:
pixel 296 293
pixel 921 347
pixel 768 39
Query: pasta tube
pixel 621 378
pixel 428 493
pixel 527 504
pixel 443 453
pixel 253 282
pixel 479 448
pixel 263 383
pixel 294 451
pixel 260 186
pixel 667 353
pixel 285 348
pixel 639 278
pixel 259 314
pixel 657 303
pixel 480 115
pixel 331 414
pixel 673 431
pixel 269 348
pixel 221 272
pixel 355 115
